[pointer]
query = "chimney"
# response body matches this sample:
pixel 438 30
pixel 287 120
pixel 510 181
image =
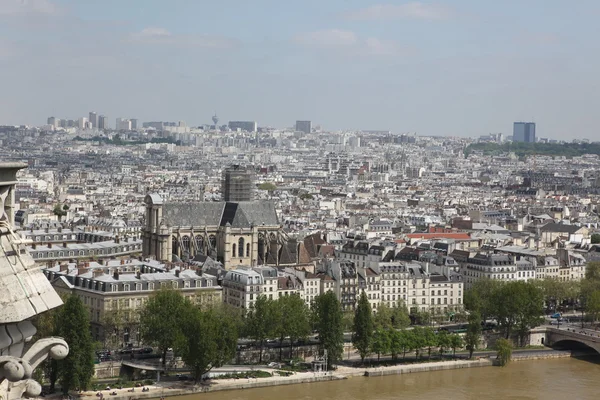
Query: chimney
pixel 59 229
pixel 177 273
pixel 138 274
pixel 116 274
pixel 64 267
pixel 87 264
pixel 49 245
pixel 33 246
pixel 199 271
pixel 46 229
pixel 122 262
pixel 81 271
pixel 98 272
pixel 65 245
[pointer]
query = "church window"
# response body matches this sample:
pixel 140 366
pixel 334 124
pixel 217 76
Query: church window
pixel 241 247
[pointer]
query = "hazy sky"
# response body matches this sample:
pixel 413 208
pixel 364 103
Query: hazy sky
pixel 452 67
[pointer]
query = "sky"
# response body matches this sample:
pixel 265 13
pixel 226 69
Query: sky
pixel 450 67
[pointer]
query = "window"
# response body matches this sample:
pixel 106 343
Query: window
pixel 241 247
pixel 233 252
pixel 247 249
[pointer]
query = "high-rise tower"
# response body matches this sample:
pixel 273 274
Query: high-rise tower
pixel 238 184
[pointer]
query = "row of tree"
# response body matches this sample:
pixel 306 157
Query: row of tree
pixel 385 333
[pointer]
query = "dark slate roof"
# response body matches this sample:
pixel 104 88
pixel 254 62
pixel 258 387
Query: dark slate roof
pixel 247 213
pixel 239 215
pixel 193 214
pixel 562 228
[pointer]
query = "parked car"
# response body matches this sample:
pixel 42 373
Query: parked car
pixel 274 365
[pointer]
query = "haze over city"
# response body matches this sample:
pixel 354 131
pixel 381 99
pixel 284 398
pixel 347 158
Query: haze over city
pixel 462 67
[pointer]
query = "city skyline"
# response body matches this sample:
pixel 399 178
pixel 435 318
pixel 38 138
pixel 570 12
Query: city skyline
pixel 475 68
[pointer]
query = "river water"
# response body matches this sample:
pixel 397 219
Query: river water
pixel 566 378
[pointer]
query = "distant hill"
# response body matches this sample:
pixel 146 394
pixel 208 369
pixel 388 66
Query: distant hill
pixel 541 149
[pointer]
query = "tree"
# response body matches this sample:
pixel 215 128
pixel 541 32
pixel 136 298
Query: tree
pixel 443 342
pixel 592 305
pixel 383 318
pixel 363 326
pixel 347 321
pixel 480 298
pixel 595 238
pixel 381 342
pixel 292 320
pixel 503 351
pixel 262 322
pixel 417 339
pixel 60 211
pixel 328 321
pixel 73 324
pixel 518 306
pixel 267 186
pixel 429 340
pixel 160 319
pixel 473 335
pixel 228 333
pixel 456 342
pixel 196 343
pixel 400 315
pixel 115 322
pixel 46 326
pixel 208 338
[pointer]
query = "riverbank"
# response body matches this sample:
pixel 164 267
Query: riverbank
pixel 342 372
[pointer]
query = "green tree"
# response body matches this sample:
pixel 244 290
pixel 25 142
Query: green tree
pixel 60 211
pixel 347 321
pixel 207 339
pixel 595 238
pixel 456 342
pixel 400 315
pixel 292 320
pixel 480 297
pixel 381 342
pixel 196 342
pixel 430 340
pixel 519 306
pixel 383 318
pixel 228 332
pixel 592 305
pixel 417 340
pixel 46 326
pixel 73 324
pixel 328 321
pixel 473 335
pixel 267 186
pixel 262 322
pixel 363 326
pixel 160 319
pixel 503 351
pixel 443 342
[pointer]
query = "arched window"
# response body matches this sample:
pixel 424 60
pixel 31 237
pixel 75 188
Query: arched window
pixel 247 249
pixel 233 250
pixel 241 247
pixel 199 243
pixel 213 241
pixel 186 242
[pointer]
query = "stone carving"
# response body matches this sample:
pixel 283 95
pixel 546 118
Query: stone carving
pixel 25 293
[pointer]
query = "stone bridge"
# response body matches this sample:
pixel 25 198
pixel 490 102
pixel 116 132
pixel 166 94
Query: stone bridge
pixel 587 337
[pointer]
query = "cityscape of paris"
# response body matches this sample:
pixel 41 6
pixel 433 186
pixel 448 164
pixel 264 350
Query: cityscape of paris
pixel 341 199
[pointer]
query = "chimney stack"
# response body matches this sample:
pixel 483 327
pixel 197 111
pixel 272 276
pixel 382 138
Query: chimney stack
pixel 81 271
pixel 98 272
pixel 64 267
pixel 138 274
pixel 49 245
pixel 116 274
pixel 65 245
pixel 33 246
pixel 177 273
pixel 122 262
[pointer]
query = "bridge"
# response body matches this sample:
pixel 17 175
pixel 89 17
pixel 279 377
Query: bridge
pixel 587 337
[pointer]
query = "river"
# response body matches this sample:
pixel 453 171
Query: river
pixel 566 378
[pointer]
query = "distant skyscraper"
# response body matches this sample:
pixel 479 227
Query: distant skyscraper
pixel 133 123
pixel 238 184
pixel 524 132
pixel 52 121
pixel 123 124
pixel 248 126
pixel 82 123
pixel 94 119
pixel 303 126
pixel 102 122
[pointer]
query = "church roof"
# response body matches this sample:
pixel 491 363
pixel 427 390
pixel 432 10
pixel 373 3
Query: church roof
pixel 193 214
pixel 242 214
